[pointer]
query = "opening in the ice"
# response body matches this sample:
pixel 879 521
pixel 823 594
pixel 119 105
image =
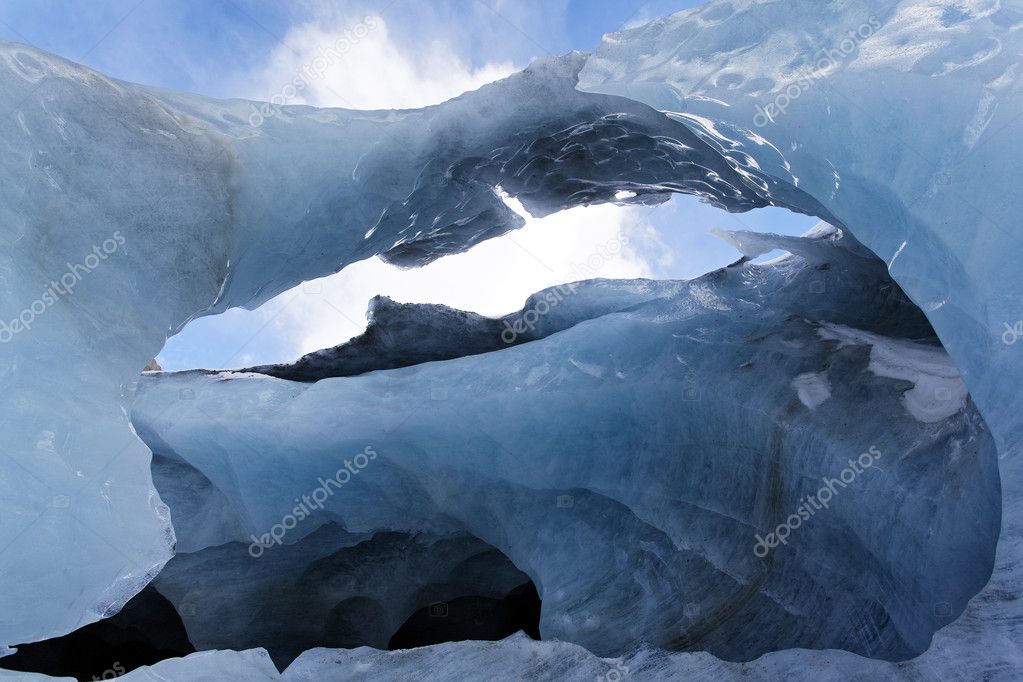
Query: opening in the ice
pixel 146 631
pixel 669 241
pixel 310 582
pixel 472 618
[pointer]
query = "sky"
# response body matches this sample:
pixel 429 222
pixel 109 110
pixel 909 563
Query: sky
pixel 405 53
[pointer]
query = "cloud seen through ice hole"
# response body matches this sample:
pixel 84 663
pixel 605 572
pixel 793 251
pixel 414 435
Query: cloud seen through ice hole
pixel 354 63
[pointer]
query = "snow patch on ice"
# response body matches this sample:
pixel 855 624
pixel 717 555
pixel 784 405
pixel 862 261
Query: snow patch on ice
pixel 812 388
pixel 938 389
pixel 588 368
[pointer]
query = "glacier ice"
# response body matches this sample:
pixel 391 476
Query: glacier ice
pixel 402 334
pixel 637 516
pixel 206 212
pixel 333 587
pixel 927 101
pixel 904 137
pixel 905 174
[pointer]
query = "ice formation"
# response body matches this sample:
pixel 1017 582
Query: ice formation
pixel 174 206
pixel 623 457
pixel 638 516
pixel 338 588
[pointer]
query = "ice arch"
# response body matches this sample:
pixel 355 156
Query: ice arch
pixel 58 486
pixel 205 211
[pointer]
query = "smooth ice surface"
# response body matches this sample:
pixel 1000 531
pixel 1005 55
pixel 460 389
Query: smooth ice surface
pixel 637 515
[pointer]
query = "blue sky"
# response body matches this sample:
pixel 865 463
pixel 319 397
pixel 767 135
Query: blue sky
pixel 421 53
pixel 210 46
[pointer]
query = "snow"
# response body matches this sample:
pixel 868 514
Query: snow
pixel 813 388
pixel 938 389
pixel 210 666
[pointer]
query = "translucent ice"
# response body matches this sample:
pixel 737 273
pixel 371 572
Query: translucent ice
pixel 641 516
pixel 127 211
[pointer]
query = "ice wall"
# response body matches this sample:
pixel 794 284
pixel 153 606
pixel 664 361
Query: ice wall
pixel 902 119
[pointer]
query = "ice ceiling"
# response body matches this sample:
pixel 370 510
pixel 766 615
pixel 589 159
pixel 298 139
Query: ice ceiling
pixel 624 453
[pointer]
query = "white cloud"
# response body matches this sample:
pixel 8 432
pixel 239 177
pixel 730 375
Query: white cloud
pixel 354 63
pixel 492 278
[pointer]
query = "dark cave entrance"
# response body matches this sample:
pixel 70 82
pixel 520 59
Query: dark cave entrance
pixel 147 630
pixel 472 618
pixel 330 588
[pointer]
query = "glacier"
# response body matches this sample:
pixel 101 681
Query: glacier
pixel 897 122
pixel 224 237
pixel 637 516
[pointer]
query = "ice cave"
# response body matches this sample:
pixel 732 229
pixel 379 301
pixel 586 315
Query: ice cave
pixel 802 464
